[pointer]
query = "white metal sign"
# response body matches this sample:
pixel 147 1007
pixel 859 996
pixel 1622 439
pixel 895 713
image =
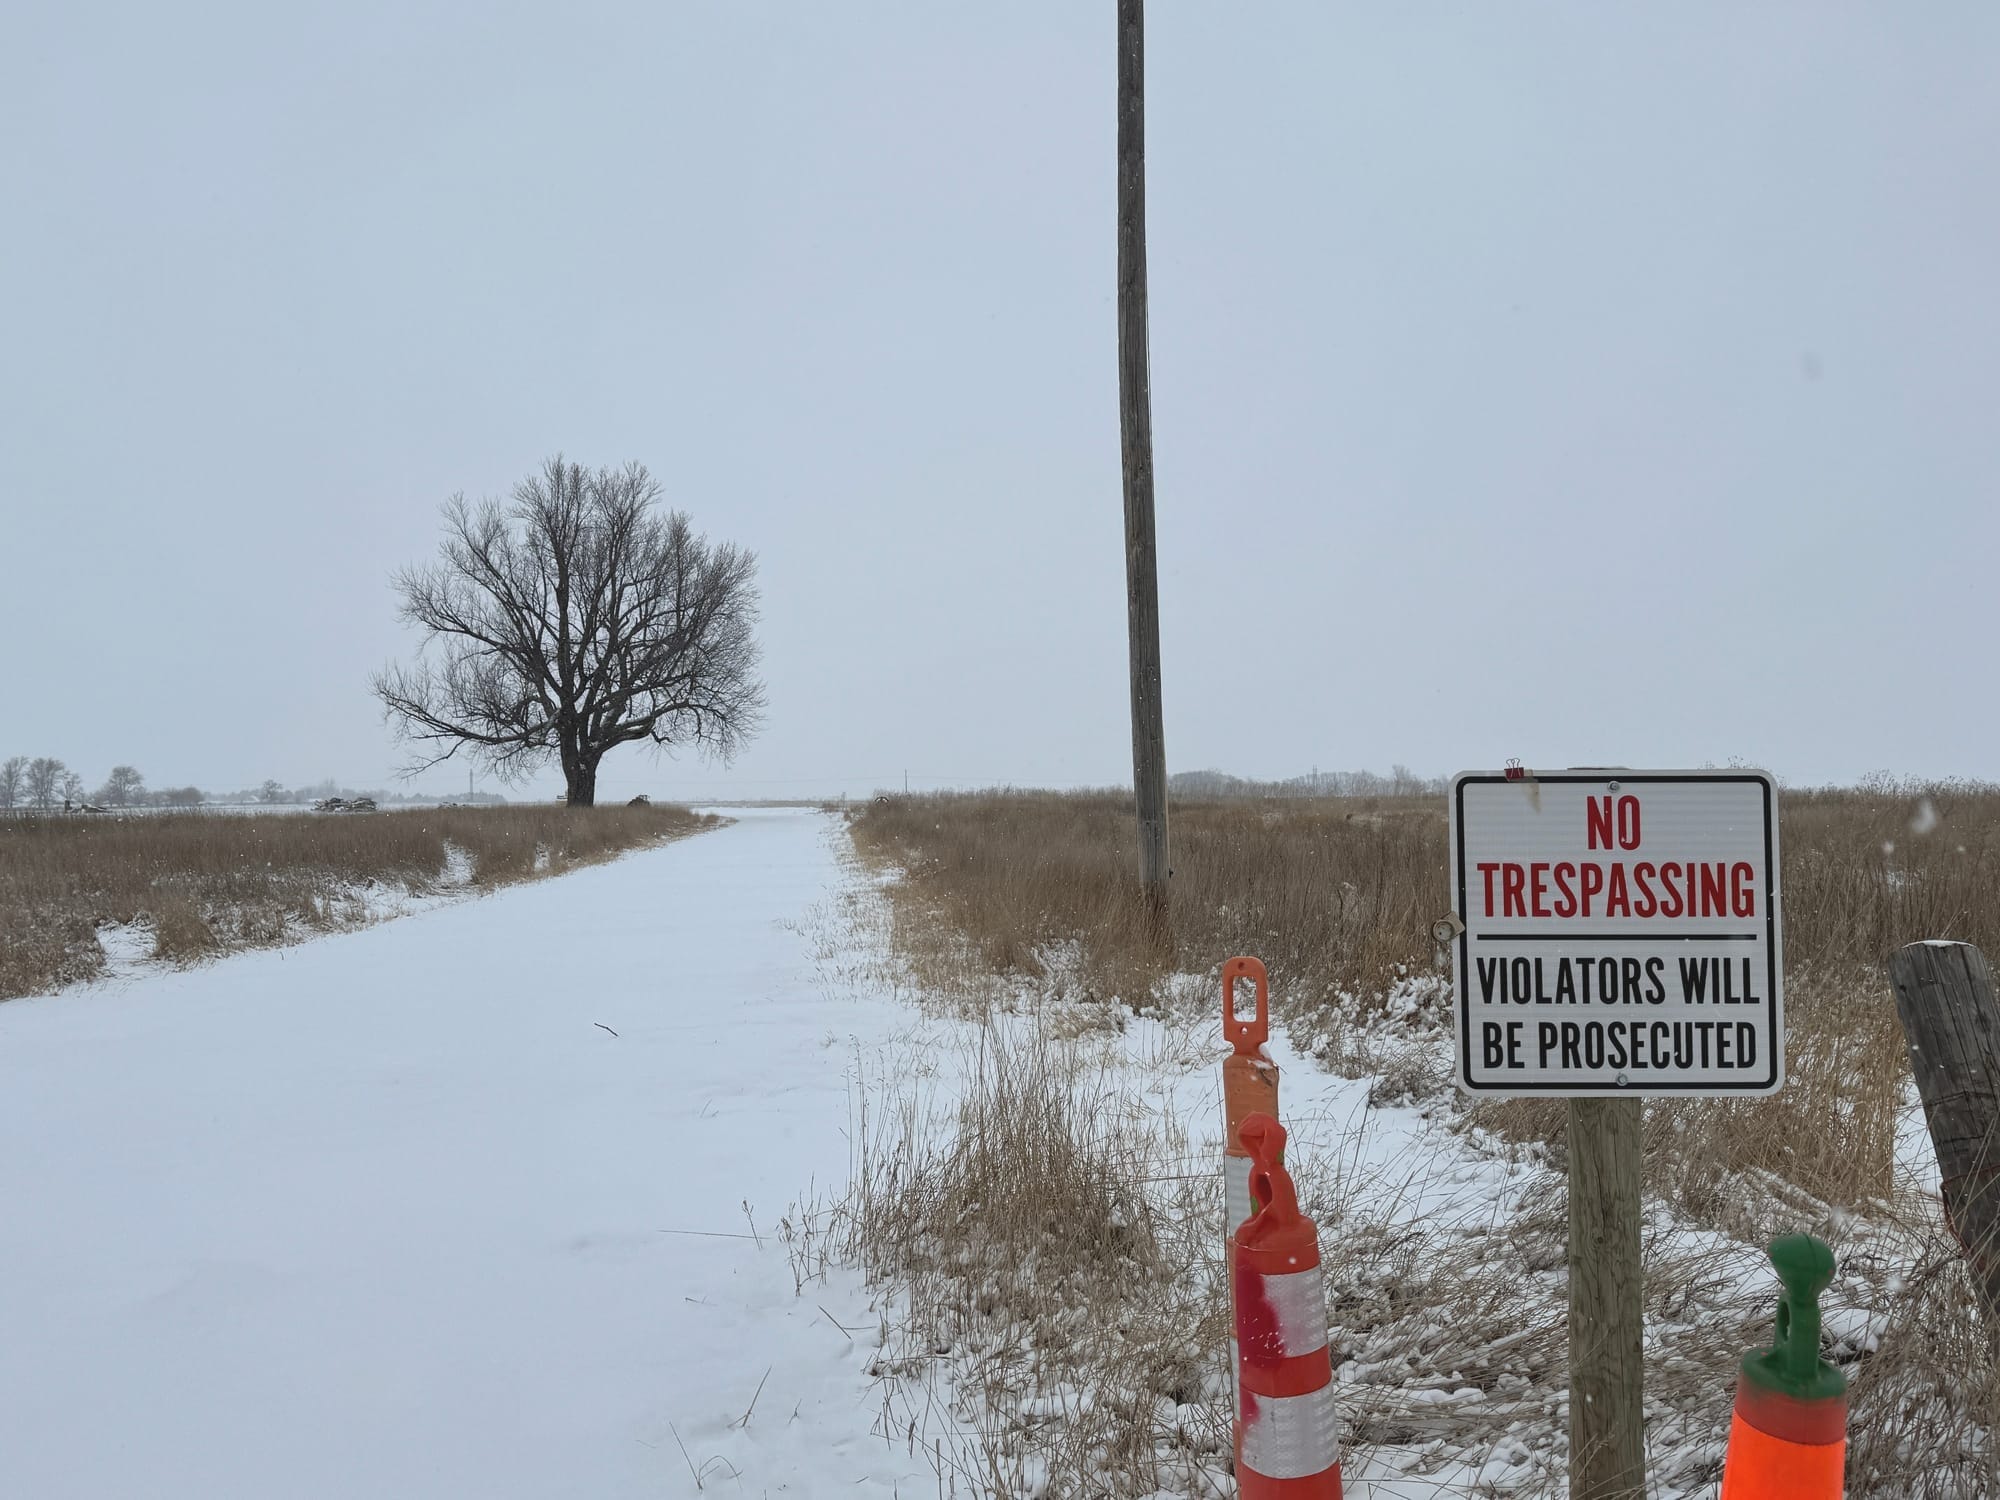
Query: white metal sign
pixel 1620 932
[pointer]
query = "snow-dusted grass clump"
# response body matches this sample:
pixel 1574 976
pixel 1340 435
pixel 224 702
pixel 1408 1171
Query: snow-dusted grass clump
pixel 1053 1263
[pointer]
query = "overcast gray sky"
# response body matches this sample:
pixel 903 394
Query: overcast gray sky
pixel 1584 383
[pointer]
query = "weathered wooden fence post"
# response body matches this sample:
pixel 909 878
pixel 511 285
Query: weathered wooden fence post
pixel 1944 996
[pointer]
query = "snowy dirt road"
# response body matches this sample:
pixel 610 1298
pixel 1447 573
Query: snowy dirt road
pixel 384 1215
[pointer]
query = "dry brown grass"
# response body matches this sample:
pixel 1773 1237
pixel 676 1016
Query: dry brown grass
pixel 1332 894
pixel 204 882
pixel 1337 896
pixel 1924 1404
pixel 1059 1270
pixel 1750 1166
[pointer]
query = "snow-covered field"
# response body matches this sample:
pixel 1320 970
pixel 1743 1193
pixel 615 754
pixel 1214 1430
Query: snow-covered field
pixel 394 1214
pixel 516 1198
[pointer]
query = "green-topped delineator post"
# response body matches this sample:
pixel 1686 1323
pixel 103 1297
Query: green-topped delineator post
pixel 1788 1436
pixel 1792 1364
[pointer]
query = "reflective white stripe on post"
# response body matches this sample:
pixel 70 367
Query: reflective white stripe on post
pixel 1235 1193
pixel 1298 1306
pixel 1290 1437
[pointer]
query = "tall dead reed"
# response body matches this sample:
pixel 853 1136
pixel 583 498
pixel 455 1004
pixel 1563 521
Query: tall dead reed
pixel 1332 893
pixel 1338 894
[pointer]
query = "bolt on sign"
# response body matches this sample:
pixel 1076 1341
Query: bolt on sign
pixel 1617 931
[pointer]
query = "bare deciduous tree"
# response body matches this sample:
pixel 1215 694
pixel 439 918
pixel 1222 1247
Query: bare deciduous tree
pixel 123 787
pixel 13 781
pixel 575 619
pixel 45 777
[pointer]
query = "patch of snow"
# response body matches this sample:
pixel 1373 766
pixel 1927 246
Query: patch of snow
pixel 128 950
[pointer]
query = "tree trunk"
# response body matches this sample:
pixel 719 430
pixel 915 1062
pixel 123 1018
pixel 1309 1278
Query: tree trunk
pixel 582 778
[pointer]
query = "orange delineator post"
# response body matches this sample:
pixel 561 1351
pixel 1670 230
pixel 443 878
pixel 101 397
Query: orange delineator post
pixel 1287 1431
pixel 1788 1435
pixel 1249 1086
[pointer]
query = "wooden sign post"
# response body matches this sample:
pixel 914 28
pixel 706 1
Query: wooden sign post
pixel 1617 937
pixel 1607 1456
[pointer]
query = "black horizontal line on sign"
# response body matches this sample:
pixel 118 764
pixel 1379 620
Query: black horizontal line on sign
pixel 1616 937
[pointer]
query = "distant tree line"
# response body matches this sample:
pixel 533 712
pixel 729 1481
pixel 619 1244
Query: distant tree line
pixel 1400 782
pixel 277 794
pixel 43 783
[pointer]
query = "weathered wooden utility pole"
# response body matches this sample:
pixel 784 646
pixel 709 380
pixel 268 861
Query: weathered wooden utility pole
pixel 1607 1448
pixel 1945 999
pixel 1135 427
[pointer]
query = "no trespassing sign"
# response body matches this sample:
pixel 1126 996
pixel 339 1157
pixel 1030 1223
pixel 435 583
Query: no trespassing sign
pixel 1620 933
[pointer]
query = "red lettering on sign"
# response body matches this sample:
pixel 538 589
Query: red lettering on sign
pixel 1617 901
pixel 1670 889
pixel 1628 822
pixel 1742 890
pixel 1565 892
pixel 1638 890
pixel 1597 817
pixel 1593 884
pixel 1712 899
pixel 1646 903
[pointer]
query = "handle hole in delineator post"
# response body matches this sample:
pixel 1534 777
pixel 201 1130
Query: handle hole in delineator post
pixel 1243 1000
pixel 1246 1003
